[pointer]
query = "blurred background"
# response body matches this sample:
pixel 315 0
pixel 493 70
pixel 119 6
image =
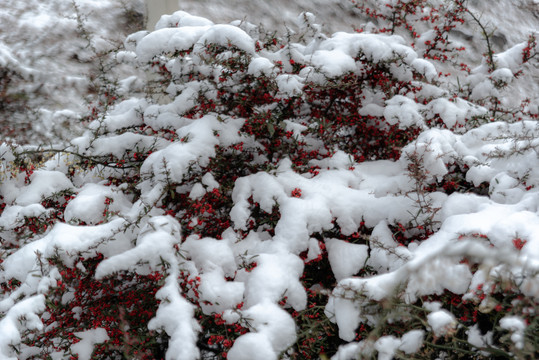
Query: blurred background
pixel 335 15
pixel 58 64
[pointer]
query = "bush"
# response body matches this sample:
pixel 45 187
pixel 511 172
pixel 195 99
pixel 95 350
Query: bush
pixel 274 197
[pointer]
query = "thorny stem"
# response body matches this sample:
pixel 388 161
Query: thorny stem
pixel 486 36
pixel 91 159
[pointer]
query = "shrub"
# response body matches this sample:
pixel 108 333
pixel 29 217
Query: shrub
pixel 275 197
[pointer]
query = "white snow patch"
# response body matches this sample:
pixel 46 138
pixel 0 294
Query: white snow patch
pixel 85 347
pixel 442 322
pixel 412 341
pixel 43 184
pixel 346 259
pixel 517 326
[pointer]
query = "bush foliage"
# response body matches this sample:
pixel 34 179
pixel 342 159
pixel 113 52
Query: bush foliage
pixel 293 196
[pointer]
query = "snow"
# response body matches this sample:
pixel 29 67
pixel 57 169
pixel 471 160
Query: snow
pixel 252 346
pixel 314 249
pixel 209 253
pixel 260 66
pixel 412 341
pixel 274 276
pixel 346 259
pixel 335 56
pixel 347 352
pixel 272 333
pixel 197 192
pixel 442 322
pixel 226 35
pixel 380 259
pixel 20 265
pixel 209 181
pixel 175 316
pixel 168 40
pixel 180 19
pixel 455 113
pixel 425 68
pixel 403 111
pixel 88 339
pixel 341 62
pixel 290 84
pixel 477 339
pixel 386 347
pixel 89 204
pixel 220 294
pixel 274 323
pixel 127 225
pixel 516 326
pixel 123 115
pixel 504 74
pixel 340 199
pixel 43 184
pixel 199 147
pixel 345 314
pixel 153 245
pixel 11 325
pixel 118 144
pixel 14 215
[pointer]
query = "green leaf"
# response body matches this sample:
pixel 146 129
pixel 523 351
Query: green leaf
pixel 271 129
